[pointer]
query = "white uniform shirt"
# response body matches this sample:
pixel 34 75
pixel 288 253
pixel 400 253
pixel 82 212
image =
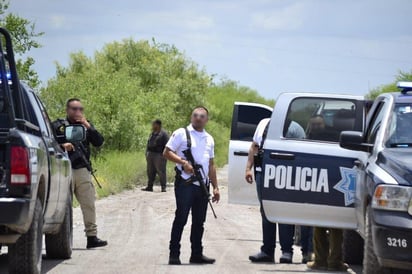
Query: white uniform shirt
pixel 294 131
pixel 203 148
pixel 257 137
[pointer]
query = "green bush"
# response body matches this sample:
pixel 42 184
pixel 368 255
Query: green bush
pixel 125 86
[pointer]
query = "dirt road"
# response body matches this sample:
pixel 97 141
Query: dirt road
pixel 137 225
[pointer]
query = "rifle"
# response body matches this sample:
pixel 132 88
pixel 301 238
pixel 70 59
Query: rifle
pixel 198 172
pixel 81 148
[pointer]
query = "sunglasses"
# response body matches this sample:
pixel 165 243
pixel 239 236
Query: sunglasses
pixel 198 115
pixel 77 108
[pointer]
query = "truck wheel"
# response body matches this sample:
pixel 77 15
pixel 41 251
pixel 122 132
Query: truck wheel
pixel 370 261
pixel 25 256
pixel 352 247
pixel 59 245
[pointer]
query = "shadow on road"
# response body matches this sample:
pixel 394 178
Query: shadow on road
pixel 47 265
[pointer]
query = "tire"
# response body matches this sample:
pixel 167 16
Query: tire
pixel 370 261
pixel 352 247
pixel 25 256
pixel 59 245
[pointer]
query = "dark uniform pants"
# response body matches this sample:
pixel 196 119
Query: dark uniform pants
pixel 156 163
pixel 286 232
pixel 188 197
pixel 328 252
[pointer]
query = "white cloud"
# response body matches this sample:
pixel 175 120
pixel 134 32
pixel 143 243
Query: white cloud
pixel 57 21
pixel 185 19
pixel 286 18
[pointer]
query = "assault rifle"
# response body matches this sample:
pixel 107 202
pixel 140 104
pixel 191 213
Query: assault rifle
pixel 198 172
pixel 82 152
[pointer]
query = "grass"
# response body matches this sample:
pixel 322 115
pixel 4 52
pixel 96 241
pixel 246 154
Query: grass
pixel 119 170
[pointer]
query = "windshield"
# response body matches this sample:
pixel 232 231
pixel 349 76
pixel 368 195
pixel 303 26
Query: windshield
pixel 400 126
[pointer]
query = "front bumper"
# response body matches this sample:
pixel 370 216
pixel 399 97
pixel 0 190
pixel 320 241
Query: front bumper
pixel 14 211
pixel 392 238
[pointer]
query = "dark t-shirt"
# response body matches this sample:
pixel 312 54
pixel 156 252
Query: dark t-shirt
pixel 157 141
pixel 80 157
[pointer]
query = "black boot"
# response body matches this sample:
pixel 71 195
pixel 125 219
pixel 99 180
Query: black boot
pixel 174 260
pixel 202 259
pixel 148 188
pixel 93 241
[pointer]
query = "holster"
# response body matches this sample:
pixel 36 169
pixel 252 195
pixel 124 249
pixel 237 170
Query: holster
pixel 179 177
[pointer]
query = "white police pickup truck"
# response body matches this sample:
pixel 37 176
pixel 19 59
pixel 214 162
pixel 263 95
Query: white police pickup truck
pixel 315 181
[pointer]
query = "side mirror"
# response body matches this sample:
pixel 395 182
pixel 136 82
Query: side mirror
pixel 75 133
pixel 354 140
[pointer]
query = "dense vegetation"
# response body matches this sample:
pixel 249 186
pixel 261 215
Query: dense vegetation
pixel 126 85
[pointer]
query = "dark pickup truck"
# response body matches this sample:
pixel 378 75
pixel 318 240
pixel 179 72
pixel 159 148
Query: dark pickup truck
pixel 383 196
pixel 35 174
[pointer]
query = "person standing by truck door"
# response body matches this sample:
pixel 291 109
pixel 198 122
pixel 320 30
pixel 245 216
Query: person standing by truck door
pixel 80 159
pixel 188 191
pixel 286 232
pixel 156 163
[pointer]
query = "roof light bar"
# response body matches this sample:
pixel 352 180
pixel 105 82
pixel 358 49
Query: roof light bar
pixel 404 86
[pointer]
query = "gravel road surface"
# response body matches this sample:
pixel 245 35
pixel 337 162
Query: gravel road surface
pixel 137 225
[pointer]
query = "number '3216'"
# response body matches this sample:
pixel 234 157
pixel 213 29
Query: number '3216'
pixel 396 242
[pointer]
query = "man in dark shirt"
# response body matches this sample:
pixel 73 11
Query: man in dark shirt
pixel 156 163
pixel 318 130
pixel 79 154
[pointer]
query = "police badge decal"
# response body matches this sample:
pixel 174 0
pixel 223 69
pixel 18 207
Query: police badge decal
pixel 347 184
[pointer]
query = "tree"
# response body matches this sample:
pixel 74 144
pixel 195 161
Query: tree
pixel 125 86
pixel 24 39
pixel 402 76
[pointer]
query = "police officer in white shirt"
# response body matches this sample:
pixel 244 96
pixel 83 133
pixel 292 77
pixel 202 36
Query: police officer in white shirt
pixel 286 232
pixel 188 192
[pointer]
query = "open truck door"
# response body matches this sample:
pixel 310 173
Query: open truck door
pixel 246 117
pixel 308 178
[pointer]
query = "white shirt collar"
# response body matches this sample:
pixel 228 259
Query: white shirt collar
pixel 200 133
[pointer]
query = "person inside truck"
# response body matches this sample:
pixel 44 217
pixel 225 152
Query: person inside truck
pixel 318 130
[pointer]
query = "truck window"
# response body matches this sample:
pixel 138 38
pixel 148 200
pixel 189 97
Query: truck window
pixel 322 119
pixel 375 124
pixel 30 110
pixel 245 120
pixel 399 132
pixel 39 114
pixel 44 115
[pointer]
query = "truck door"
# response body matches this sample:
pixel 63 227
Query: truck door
pixel 308 178
pixel 246 117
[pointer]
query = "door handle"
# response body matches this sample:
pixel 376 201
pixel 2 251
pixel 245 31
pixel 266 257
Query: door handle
pixel 241 153
pixel 282 156
pixel 59 155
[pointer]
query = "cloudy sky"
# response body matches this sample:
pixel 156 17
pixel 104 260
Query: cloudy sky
pixel 272 46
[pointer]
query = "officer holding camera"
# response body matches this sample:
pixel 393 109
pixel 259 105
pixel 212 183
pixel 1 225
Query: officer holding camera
pixel 79 154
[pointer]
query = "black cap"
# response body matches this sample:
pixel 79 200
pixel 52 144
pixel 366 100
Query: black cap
pixel 157 122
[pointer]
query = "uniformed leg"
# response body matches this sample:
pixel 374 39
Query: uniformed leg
pixel 160 164
pixel 151 169
pixel 286 233
pixel 268 228
pixel 184 201
pixel 335 242
pixel 320 246
pixel 199 210
pixel 86 195
pixel 306 239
